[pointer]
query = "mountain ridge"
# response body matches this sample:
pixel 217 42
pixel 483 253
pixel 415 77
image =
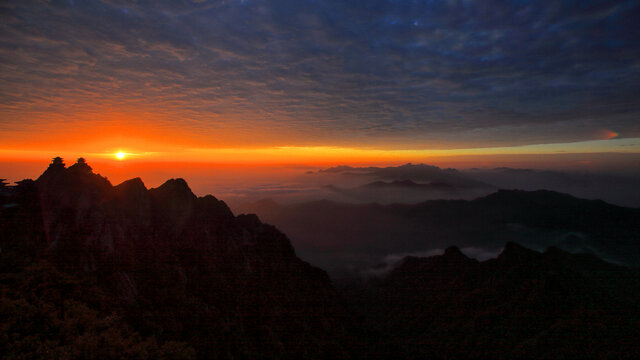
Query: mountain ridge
pixel 163 252
pixel 523 304
pixel 538 219
pixel 91 269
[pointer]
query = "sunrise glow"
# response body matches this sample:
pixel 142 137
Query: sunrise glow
pixel 211 179
pixel 411 97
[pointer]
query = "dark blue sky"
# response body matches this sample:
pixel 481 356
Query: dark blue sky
pixel 391 74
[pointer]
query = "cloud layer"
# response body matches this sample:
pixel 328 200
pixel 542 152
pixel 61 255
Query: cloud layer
pixel 401 74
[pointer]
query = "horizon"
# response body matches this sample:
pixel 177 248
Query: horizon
pixel 122 169
pixel 241 185
pixel 322 84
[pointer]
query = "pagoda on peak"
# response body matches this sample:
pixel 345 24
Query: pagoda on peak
pixel 81 164
pixel 57 162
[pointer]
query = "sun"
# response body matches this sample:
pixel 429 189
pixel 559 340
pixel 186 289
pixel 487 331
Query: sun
pixel 120 155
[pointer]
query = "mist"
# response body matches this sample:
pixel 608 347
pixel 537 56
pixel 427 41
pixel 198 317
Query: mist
pixel 358 221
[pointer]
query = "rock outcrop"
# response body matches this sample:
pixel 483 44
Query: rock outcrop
pixel 182 267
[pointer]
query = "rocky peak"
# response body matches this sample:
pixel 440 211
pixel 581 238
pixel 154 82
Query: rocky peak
pixel 214 207
pixel 133 199
pixel 514 252
pixel 174 202
pixel 68 187
pixel 56 163
pixel 454 258
pixel 131 187
pixel 56 168
pixel 81 166
pixel 453 251
pixel 452 261
pixel 173 189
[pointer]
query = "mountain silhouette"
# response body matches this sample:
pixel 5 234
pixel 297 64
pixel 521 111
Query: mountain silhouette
pixel 175 266
pixel 409 184
pixel 523 304
pixel 411 172
pixel 403 191
pixel 91 270
pixel 322 231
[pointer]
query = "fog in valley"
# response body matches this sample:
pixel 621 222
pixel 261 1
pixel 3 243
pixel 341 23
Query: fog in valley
pixel 360 221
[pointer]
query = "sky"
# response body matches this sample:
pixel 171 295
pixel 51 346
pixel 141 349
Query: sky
pixel 319 82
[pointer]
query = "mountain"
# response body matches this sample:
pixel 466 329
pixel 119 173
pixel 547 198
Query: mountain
pixel 621 189
pixel 523 304
pixel 410 172
pixel 339 235
pixel 173 269
pixel 408 184
pixel 403 191
pixel 616 188
pixel 94 271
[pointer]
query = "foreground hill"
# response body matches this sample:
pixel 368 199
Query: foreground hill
pixel 523 304
pixel 91 270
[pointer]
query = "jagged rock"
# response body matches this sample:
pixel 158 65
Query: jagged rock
pixel 185 266
pixel 515 253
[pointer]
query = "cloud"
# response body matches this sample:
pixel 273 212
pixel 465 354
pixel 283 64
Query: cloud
pixel 380 73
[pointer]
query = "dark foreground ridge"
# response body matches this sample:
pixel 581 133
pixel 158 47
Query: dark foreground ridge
pixel 521 305
pixel 90 270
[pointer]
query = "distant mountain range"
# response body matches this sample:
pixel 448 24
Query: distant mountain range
pixel 338 235
pixel 408 184
pixel 619 189
pixel 91 270
pixel 415 183
pixel 411 172
pixel 406 191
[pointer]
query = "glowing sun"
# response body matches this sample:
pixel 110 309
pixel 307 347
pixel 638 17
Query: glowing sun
pixel 120 155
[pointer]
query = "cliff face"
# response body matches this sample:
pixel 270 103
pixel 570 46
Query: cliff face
pixel 182 267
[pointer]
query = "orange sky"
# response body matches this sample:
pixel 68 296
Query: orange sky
pixel 209 176
pixel 205 89
pixel 149 150
pixel 150 140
